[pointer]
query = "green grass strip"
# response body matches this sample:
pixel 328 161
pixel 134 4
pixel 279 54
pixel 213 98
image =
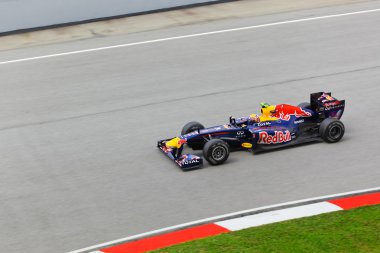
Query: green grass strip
pixel 356 230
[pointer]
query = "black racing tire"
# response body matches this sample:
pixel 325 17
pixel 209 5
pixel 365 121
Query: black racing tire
pixel 191 126
pixel 331 130
pixel 216 151
pixel 305 105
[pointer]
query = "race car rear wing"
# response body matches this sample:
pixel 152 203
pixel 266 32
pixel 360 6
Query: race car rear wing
pixel 326 105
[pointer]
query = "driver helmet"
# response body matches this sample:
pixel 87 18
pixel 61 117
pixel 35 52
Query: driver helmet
pixel 267 110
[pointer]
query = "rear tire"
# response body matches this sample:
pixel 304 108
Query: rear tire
pixel 191 127
pixel 216 151
pixel 305 105
pixel 331 130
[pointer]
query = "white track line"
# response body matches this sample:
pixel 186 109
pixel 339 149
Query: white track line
pixel 216 218
pixel 278 215
pixel 190 36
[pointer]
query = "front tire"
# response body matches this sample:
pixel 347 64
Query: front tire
pixel 216 151
pixel 331 130
pixel 191 127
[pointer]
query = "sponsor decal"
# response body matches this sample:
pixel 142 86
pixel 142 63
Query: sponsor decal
pixel 246 145
pixel 299 121
pixel 326 98
pixel 188 159
pixel 331 103
pixel 240 134
pixel 189 162
pixel 263 124
pixel 284 112
pixel 328 108
pixel 278 137
pixel 175 143
pixel 166 149
pixel 189 134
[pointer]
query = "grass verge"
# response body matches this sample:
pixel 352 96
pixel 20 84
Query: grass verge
pixel 356 230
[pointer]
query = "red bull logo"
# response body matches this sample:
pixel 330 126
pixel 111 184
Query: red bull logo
pixel 325 97
pixel 278 137
pixel 284 112
pixel 175 143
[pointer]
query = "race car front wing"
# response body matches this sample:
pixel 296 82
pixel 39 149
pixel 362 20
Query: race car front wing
pixel 184 161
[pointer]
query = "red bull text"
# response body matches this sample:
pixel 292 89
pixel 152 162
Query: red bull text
pixel 278 137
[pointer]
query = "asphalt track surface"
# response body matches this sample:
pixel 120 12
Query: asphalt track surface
pixel 79 164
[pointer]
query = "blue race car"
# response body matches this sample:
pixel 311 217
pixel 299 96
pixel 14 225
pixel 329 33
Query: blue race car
pixel 277 126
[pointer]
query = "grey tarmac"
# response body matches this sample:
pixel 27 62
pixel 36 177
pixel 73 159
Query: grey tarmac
pixel 78 133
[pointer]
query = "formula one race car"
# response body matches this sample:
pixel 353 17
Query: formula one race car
pixel 278 126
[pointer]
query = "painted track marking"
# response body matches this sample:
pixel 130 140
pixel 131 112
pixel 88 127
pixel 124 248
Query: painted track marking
pixel 278 215
pixel 356 201
pixel 166 240
pixel 221 218
pixel 254 220
pixel 191 36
